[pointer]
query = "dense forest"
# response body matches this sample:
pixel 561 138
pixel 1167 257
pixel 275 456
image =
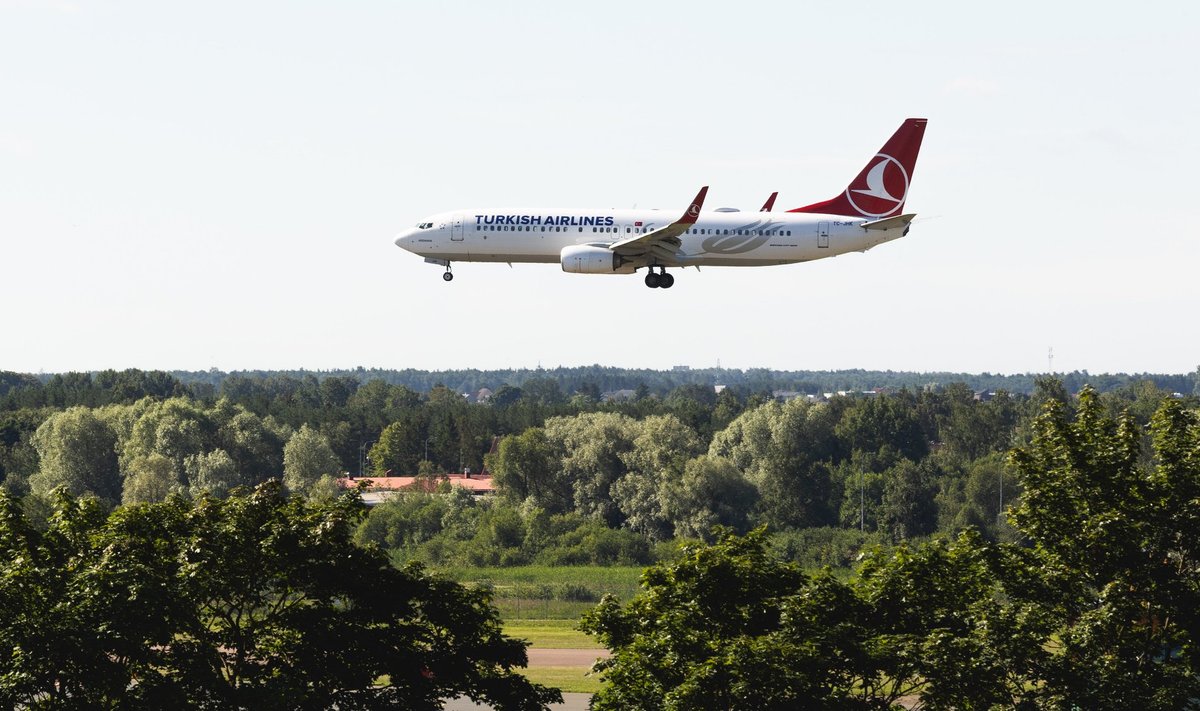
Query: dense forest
pixel 582 478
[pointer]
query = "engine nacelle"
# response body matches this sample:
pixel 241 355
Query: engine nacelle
pixel 587 259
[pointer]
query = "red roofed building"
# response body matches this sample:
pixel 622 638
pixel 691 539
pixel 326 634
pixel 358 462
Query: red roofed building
pixel 379 488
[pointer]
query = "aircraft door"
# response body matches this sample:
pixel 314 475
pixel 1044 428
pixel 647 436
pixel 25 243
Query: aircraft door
pixel 456 229
pixel 823 235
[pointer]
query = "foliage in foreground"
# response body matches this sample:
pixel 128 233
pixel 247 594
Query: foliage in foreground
pixel 255 601
pixel 1099 613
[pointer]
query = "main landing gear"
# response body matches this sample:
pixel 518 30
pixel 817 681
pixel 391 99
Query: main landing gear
pixel 661 280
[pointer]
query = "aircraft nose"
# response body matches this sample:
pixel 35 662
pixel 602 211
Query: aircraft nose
pixel 403 239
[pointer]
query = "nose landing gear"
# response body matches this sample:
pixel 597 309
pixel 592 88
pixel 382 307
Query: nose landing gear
pixel 442 263
pixel 661 280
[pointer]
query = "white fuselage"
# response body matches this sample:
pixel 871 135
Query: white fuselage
pixel 718 238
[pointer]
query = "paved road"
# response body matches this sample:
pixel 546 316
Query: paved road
pixel 565 657
pixel 571 702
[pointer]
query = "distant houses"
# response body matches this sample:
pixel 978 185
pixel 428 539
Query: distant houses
pixel 379 488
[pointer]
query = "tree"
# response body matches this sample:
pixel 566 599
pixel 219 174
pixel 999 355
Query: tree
pixel 255 444
pixel 174 428
pixel 336 391
pixel 710 493
pixel 973 429
pixel 526 466
pixel 149 479
pixel 77 451
pixel 1123 537
pixel 730 626
pixel 990 484
pixel 674 645
pixel 214 473
pixel 908 507
pixel 592 445
pixel 399 449
pixel 86 603
pixel 306 457
pixel 660 450
pixel 255 601
pixel 884 421
pixel 785 451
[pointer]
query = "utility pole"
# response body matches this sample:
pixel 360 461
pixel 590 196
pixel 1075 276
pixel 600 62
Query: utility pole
pixel 362 447
pixel 1050 359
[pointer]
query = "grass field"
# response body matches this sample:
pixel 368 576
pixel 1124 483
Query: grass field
pixel 520 608
pixel 619 580
pixel 536 592
pixel 550 634
pixel 568 679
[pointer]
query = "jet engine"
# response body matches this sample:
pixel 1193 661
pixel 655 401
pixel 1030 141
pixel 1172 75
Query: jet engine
pixel 589 259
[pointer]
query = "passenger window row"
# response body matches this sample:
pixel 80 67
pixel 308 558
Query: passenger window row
pixel 628 230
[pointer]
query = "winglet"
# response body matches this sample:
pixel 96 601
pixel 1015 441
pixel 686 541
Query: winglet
pixel 693 212
pixel 770 203
pixel 669 232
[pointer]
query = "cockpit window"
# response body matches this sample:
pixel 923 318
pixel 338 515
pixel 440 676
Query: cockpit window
pixel 424 225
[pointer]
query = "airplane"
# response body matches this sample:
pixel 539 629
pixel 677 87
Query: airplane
pixel 867 213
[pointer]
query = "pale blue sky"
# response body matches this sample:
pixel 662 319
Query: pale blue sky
pixel 218 184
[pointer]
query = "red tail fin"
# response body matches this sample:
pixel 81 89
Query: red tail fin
pixel 882 186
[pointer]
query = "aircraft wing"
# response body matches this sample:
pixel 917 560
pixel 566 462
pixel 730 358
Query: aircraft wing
pixel 664 241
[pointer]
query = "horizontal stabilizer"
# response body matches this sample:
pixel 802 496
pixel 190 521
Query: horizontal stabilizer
pixel 889 223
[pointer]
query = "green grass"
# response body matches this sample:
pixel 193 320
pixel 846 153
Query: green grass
pixel 615 579
pixel 527 609
pixel 568 679
pixel 542 592
pixel 550 634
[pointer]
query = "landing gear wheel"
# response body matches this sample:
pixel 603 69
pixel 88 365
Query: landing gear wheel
pixel 665 281
pixel 652 280
pixel 447 277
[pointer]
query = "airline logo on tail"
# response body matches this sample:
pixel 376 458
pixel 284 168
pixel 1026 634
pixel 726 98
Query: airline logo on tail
pixel 882 190
pixel 882 187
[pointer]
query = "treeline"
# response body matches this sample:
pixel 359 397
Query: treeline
pixel 104 387
pixel 660 382
pixel 827 478
pixel 579 478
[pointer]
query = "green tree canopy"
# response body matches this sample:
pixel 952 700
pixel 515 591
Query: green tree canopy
pixel 1124 536
pixel 255 601
pixel 149 479
pixel 77 450
pixel 307 457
